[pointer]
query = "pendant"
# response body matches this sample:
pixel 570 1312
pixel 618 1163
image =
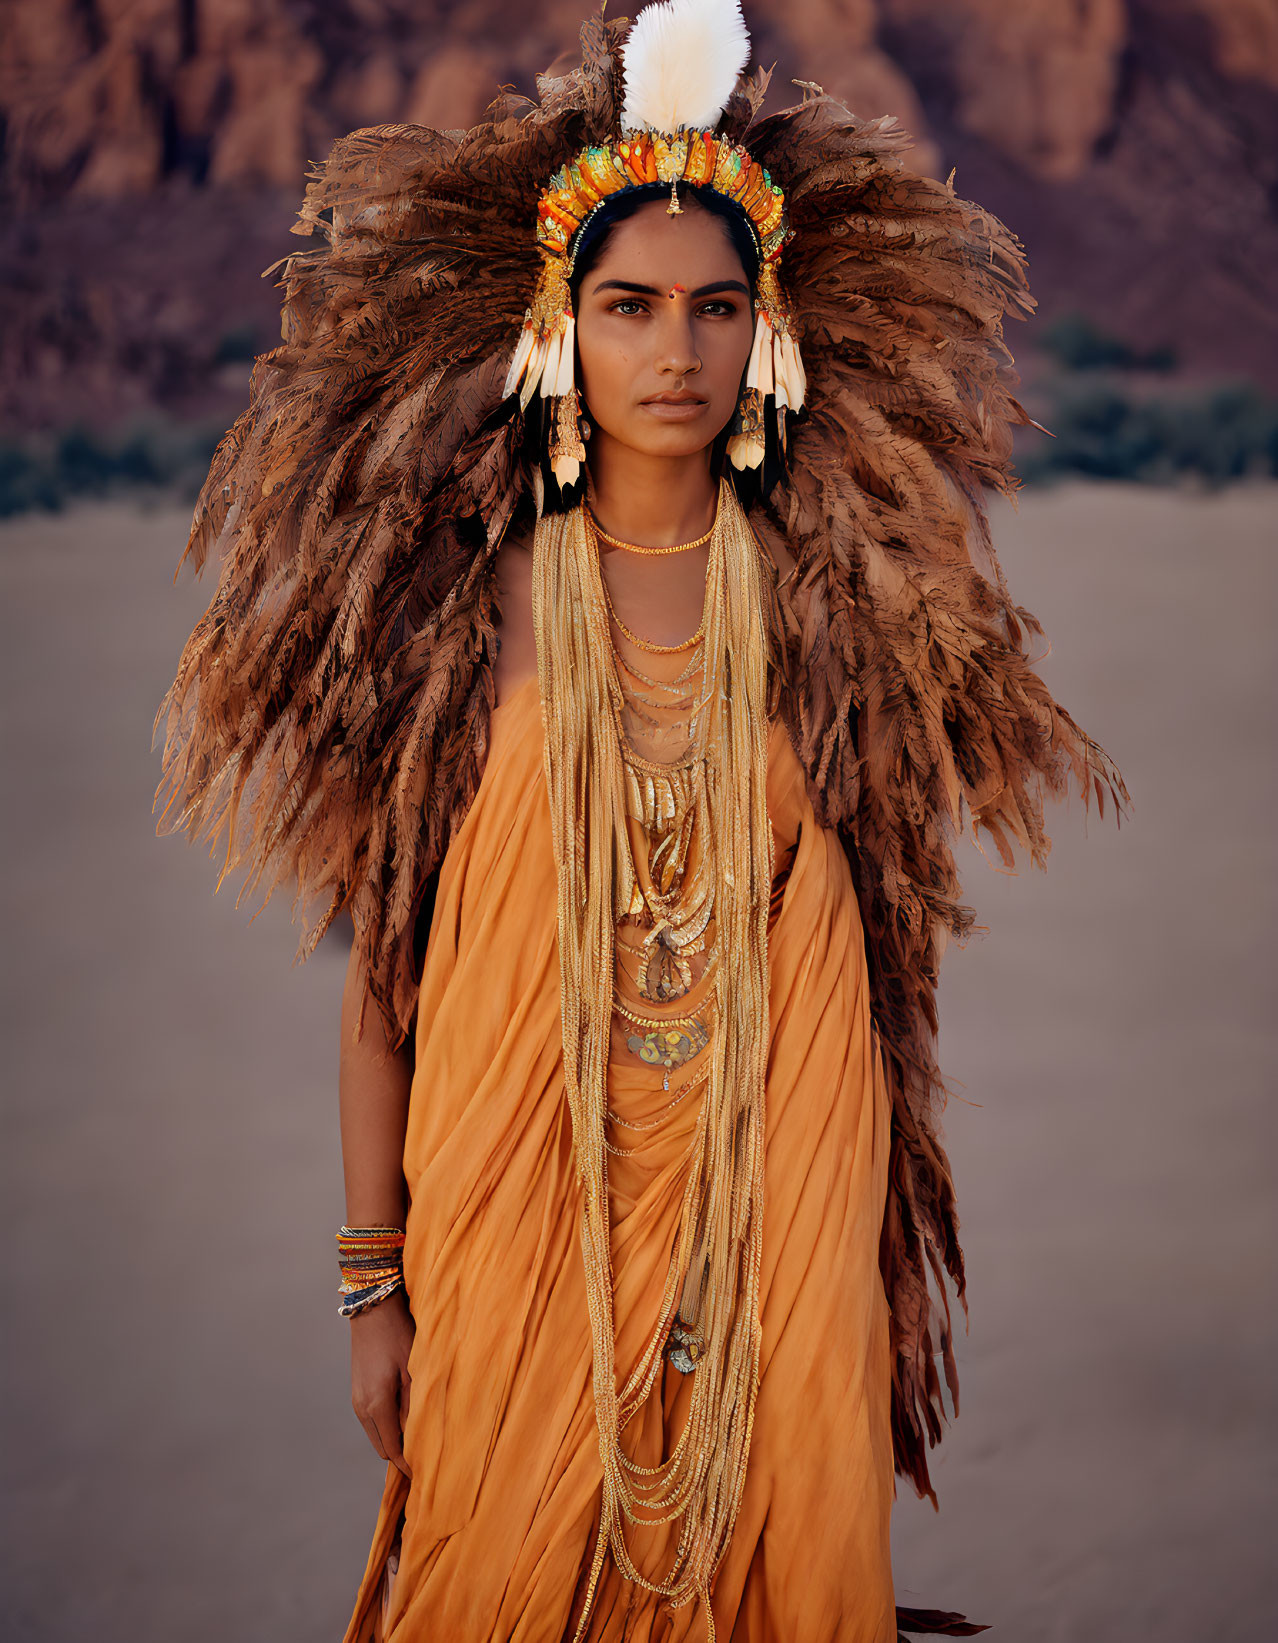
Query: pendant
pixel 666 974
pixel 669 1047
pixel 684 1347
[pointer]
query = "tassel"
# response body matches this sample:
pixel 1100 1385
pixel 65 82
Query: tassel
pixel 752 369
pixel 780 372
pixel 764 380
pixel 548 329
pixel 794 370
pixel 781 379
pixel 567 449
pixel 544 364
pixel 536 366
pixel 775 371
pixel 746 447
pixel 564 378
pixel 550 366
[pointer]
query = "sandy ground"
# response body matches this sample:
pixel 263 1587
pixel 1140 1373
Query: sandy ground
pixel 183 1457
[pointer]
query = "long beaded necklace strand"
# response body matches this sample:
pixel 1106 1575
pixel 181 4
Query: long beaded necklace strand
pixel 669 1041
pixel 717 1254
pixel 676 898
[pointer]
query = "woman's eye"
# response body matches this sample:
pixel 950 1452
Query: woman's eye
pixel 635 305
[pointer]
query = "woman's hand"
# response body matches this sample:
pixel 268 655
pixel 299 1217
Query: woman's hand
pixel 381 1337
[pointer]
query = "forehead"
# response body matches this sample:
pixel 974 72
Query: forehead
pixel 654 247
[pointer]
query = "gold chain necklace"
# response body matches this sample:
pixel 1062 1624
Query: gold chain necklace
pixel 634 547
pixel 650 645
pixel 718 1250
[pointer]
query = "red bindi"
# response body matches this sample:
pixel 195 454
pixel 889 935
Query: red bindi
pixel 675 288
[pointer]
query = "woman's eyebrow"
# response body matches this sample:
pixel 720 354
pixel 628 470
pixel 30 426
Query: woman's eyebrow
pixel 652 291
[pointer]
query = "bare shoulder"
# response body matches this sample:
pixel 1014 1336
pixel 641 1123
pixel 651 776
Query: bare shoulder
pixel 517 655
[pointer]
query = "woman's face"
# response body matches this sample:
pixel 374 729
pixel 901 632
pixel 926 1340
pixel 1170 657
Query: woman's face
pixel 664 330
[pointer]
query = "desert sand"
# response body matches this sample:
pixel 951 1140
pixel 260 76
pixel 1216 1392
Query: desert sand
pixel 183 1457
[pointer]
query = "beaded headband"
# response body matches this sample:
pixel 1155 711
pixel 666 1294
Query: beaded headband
pixel 641 158
pixel 665 38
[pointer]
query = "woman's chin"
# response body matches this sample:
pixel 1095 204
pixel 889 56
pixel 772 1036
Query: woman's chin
pixel 673 439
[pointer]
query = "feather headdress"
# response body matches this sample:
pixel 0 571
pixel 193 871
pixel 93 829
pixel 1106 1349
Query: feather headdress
pixel 329 721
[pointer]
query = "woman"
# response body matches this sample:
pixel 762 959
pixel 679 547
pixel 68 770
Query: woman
pixel 653 703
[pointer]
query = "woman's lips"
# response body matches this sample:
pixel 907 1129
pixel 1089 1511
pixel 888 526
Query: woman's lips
pixel 675 410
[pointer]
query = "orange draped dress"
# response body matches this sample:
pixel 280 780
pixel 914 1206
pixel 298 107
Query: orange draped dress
pixel 493 1539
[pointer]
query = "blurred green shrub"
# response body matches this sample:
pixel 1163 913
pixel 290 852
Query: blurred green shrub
pixel 1105 431
pixel 239 345
pixel 1078 344
pixel 46 473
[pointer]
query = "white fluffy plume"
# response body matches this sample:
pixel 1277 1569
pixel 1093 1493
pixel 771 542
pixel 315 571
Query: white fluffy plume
pixel 682 61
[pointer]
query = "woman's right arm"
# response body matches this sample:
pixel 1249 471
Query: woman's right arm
pixel 373 1086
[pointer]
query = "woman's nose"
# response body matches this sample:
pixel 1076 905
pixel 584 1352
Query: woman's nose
pixel 676 347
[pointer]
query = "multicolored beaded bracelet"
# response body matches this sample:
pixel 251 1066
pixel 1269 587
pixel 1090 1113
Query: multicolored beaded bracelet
pixel 371 1260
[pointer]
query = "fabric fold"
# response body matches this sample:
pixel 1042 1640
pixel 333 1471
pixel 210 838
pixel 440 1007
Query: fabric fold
pixel 500 1520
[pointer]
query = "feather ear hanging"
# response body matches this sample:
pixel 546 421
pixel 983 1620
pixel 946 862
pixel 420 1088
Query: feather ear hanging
pixel 775 369
pixel 544 360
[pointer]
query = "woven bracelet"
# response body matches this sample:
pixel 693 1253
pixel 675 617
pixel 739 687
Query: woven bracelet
pixel 371 1260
